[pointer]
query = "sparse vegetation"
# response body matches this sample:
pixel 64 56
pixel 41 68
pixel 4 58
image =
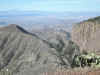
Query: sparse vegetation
pixel 94 19
pixel 86 60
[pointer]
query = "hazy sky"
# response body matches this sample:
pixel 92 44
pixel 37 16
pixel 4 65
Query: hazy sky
pixel 51 5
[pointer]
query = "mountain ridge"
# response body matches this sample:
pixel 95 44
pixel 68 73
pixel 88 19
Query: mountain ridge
pixel 13 28
pixel 86 34
pixel 30 54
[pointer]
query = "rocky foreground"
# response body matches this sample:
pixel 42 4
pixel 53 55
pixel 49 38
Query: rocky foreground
pixel 78 71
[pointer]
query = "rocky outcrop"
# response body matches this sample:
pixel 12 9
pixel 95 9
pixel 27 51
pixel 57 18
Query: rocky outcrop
pixel 87 34
pixel 26 53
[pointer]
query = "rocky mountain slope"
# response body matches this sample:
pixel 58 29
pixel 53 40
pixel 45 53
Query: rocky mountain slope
pixel 87 34
pixel 26 53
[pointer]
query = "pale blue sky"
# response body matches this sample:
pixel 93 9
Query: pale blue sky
pixel 51 5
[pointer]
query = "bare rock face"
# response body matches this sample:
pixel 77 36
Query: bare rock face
pixel 21 51
pixel 25 53
pixel 87 34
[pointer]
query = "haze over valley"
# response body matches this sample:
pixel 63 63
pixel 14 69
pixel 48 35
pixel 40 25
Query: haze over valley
pixel 43 19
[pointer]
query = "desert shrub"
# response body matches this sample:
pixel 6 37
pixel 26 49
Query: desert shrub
pixel 86 60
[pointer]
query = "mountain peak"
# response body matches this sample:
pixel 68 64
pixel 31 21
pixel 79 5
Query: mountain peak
pixel 13 28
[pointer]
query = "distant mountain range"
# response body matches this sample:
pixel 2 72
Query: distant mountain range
pixel 11 13
pixel 43 19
